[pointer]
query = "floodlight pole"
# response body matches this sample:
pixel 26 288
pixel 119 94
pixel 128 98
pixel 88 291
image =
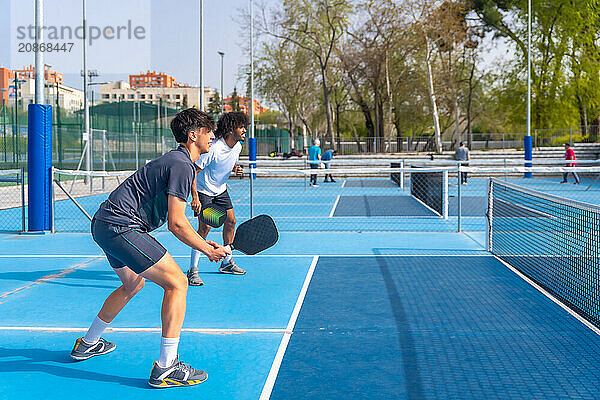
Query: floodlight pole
pixel 201 55
pixel 529 69
pixel 86 110
pixel 39 55
pixel 251 68
pixel 222 55
pixel 527 140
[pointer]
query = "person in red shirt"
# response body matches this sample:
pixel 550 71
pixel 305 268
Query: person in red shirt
pixel 570 155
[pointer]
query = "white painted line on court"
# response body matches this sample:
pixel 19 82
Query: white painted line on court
pixel 337 200
pixel 344 183
pixel 268 388
pixel 274 255
pixel 551 297
pixel 157 329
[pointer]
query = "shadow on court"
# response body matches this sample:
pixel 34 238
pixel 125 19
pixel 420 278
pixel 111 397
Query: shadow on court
pixel 91 276
pixel 41 359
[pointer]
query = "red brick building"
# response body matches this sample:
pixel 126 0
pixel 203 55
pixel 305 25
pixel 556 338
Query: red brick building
pixel 244 105
pixel 7 79
pixel 153 79
pixel 49 75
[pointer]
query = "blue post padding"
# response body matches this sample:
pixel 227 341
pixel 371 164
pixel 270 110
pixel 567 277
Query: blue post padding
pixel 528 146
pixel 252 153
pixel 39 166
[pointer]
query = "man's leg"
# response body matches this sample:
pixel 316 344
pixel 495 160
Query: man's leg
pixel 168 371
pixel 576 178
pixel 167 274
pixel 565 176
pixel 92 344
pixel 192 274
pixel 228 266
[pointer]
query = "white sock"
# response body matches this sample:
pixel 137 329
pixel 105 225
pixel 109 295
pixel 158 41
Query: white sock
pixel 227 259
pixel 194 259
pixel 168 351
pixel 93 334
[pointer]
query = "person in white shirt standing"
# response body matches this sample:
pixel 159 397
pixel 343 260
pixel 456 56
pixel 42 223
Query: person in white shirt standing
pixel 214 169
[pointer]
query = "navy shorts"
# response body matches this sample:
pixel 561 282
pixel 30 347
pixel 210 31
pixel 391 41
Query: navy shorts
pixel 222 200
pixel 125 246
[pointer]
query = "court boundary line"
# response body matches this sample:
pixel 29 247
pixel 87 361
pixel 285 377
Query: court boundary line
pixel 143 329
pixel 584 321
pixel 276 365
pixel 337 200
pixel 270 255
pixel 344 183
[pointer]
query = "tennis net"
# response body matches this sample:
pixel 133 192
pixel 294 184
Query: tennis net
pixel 552 240
pixel 430 187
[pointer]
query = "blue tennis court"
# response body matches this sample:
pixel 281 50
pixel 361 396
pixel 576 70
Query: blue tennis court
pixel 343 306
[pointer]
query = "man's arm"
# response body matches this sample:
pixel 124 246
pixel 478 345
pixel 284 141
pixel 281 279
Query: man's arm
pixel 196 206
pixel 182 229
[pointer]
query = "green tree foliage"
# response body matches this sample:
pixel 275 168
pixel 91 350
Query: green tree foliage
pixel 235 100
pixel 214 107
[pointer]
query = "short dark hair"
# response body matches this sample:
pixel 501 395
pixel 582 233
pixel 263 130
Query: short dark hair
pixel 229 122
pixel 190 119
pixel 568 144
pixel 461 143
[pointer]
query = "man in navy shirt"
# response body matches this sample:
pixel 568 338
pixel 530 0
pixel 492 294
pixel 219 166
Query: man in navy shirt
pixel 156 193
pixel 327 157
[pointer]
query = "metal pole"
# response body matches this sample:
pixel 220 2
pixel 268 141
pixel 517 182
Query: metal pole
pixel 201 55
pixel 251 68
pixel 251 190
pixel 39 55
pixel 23 198
pixel 222 55
pixel 529 68
pixel 86 110
pixel 103 157
pixel 135 133
pixel 53 199
pixel 459 199
pixel 571 135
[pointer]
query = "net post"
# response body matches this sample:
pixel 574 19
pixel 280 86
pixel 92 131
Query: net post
pixel 251 167
pixel 402 174
pixel 53 200
pixel 103 158
pixel 22 183
pixel 445 194
pixel 490 216
pixel 459 179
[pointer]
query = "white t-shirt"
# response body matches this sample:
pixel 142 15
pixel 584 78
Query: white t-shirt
pixel 216 167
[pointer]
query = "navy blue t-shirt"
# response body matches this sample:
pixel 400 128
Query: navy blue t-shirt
pixel 141 201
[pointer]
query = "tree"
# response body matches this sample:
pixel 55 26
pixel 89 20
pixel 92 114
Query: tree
pixel 315 26
pixel 214 107
pixel 235 101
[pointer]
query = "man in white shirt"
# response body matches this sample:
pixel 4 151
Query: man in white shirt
pixel 214 169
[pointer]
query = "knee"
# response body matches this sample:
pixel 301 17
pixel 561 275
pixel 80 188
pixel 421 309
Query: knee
pixel 178 283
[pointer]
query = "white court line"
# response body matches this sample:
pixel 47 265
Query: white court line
pixel 268 388
pixel 548 295
pixel 115 329
pixel 267 255
pixel 344 183
pixel 337 200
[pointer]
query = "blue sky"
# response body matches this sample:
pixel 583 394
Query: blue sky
pixel 169 43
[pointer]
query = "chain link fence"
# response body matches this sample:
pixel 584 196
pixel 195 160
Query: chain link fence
pixel 12 200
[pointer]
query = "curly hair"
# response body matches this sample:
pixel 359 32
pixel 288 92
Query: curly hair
pixel 229 122
pixel 189 119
